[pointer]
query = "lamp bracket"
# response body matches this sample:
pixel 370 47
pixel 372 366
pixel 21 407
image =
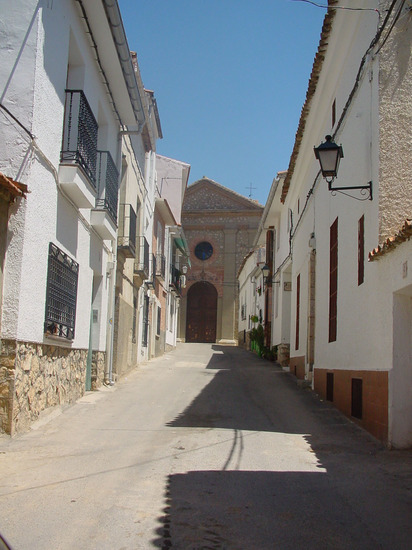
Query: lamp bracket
pixel 367 187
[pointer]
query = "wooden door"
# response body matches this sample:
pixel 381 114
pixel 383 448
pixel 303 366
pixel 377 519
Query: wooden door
pixel 201 313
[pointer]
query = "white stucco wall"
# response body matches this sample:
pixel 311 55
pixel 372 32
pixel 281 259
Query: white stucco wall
pixel 392 275
pixel 172 178
pixel 359 323
pixel 33 74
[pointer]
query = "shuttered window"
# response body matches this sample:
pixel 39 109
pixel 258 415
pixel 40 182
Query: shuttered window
pixel 361 250
pixel 297 311
pixel 333 281
pixel 269 256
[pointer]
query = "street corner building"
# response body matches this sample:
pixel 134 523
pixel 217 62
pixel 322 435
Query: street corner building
pixel 220 226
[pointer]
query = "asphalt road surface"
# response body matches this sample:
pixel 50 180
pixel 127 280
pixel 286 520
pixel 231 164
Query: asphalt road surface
pixel 208 447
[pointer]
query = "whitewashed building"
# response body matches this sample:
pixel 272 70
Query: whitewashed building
pixel 67 88
pixel 134 244
pixel 251 295
pixel 171 251
pixel 349 318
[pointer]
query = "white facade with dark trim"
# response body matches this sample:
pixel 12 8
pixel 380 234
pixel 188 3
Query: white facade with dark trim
pixel 67 89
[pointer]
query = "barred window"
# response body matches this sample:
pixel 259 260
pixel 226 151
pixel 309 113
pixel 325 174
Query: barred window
pixel 61 294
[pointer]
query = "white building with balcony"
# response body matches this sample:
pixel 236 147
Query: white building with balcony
pixel 67 89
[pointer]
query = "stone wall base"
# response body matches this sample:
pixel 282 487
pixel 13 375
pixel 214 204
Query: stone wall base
pixel 34 377
pixel 98 369
pixel 227 342
pixel 243 338
pixel 284 354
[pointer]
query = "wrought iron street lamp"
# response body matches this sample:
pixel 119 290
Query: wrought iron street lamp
pixel 265 272
pixel 329 154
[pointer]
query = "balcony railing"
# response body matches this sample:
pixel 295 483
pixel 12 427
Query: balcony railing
pixel 175 282
pixel 107 176
pixel 126 239
pixel 160 266
pixel 80 134
pixel 141 264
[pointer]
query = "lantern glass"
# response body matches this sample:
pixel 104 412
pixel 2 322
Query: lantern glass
pixel 265 270
pixel 329 155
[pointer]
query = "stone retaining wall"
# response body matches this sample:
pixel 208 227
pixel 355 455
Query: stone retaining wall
pixel 34 377
pixel 98 369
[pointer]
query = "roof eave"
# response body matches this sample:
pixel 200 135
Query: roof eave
pixel 313 81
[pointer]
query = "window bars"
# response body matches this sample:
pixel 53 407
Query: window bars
pixel 61 294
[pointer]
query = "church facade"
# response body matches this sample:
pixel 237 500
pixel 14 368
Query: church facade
pixel 220 226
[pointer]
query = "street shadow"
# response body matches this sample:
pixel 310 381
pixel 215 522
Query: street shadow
pixel 341 504
pixel 251 393
pixel 255 510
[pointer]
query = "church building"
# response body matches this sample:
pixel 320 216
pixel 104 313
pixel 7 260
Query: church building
pixel 220 226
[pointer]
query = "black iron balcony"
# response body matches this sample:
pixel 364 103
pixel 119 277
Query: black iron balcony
pixel 107 177
pixel 160 266
pixel 126 239
pixel 141 264
pixel 80 134
pixel 175 282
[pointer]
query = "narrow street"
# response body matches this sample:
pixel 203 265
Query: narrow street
pixel 206 447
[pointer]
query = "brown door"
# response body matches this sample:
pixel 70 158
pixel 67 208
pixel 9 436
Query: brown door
pixel 201 313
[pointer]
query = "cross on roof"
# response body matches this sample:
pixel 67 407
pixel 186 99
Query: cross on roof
pixel 250 187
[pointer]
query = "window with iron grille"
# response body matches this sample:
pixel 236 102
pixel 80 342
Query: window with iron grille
pixel 61 294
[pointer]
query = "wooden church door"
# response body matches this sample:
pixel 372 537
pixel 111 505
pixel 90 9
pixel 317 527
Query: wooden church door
pixel 201 313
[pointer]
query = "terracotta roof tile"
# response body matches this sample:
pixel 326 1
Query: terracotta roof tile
pixel 15 188
pixel 404 234
pixel 313 81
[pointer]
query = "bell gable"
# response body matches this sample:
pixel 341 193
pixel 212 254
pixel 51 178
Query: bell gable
pixel 206 194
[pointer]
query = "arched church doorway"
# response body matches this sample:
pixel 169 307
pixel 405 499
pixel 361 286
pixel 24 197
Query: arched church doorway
pixel 201 313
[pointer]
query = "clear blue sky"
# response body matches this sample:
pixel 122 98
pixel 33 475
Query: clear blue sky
pixel 230 79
